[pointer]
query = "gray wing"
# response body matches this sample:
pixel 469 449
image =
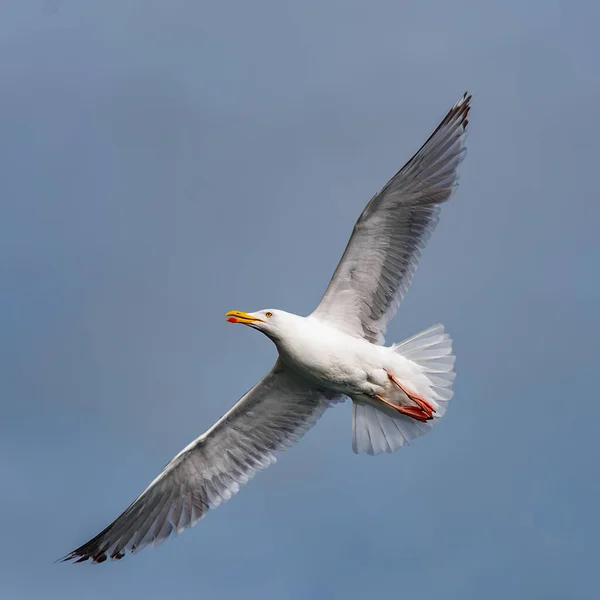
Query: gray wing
pixel 382 254
pixel 271 416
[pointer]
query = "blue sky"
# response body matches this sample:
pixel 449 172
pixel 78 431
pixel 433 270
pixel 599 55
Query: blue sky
pixel 163 162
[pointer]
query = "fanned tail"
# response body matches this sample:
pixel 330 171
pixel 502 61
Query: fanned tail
pixel 378 429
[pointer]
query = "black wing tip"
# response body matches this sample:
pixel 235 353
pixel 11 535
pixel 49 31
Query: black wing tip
pixel 456 118
pixel 82 555
pixel 460 111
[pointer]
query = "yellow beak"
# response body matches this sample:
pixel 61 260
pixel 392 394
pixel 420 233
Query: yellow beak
pixel 238 316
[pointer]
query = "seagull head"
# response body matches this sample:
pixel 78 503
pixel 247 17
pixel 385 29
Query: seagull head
pixel 270 321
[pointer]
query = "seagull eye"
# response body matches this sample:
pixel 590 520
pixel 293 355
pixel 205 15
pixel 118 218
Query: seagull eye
pixel 268 315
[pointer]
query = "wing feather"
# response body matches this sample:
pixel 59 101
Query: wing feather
pixel 382 254
pixel 270 417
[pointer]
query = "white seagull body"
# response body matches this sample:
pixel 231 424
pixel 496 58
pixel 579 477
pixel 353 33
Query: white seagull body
pixel 398 392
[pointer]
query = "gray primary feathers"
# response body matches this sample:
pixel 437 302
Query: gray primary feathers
pixel 273 415
pixel 382 254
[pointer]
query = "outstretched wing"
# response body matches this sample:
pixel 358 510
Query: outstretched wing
pixel 381 257
pixel 273 415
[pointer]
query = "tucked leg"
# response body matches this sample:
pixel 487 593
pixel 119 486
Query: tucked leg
pixel 410 411
pixel 418 400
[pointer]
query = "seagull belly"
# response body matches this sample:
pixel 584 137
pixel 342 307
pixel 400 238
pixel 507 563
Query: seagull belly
pixel 338 362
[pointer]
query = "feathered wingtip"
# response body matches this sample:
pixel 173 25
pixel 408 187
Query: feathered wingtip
pixel 79 556
pixel 95 549
pixel 461 109
pixel 458 114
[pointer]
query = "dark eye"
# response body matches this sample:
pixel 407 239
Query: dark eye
pixel 268 315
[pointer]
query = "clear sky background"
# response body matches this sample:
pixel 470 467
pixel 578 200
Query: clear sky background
pixel 163 162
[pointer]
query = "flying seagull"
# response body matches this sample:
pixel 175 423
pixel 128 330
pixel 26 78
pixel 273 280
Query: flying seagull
pixel 398 392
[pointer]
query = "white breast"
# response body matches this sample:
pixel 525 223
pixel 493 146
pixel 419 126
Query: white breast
pixel 332 358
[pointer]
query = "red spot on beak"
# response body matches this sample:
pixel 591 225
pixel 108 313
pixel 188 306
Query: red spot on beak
pixel 232 320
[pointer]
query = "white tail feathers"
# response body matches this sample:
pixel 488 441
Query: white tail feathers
pixel 382 429
pixel 431 352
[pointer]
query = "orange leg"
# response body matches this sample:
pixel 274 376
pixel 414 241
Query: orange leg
pixel 418 400
pixel 410 411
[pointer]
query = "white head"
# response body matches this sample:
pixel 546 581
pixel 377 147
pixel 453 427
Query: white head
pixel 272 322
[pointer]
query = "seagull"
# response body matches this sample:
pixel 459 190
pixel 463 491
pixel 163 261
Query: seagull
pixel 398 392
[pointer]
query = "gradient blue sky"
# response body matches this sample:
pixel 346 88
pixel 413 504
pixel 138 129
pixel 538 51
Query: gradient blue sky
pixel 163 162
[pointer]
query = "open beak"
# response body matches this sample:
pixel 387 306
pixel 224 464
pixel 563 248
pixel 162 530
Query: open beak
pixel 238 316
